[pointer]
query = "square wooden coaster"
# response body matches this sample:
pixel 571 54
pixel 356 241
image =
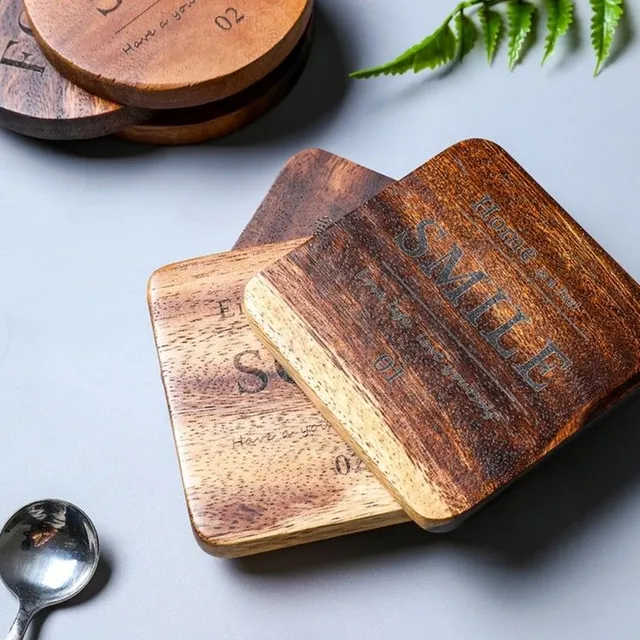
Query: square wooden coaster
pixel 260 466
pixel 455 329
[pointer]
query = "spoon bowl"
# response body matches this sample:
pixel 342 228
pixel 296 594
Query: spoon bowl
pixel 49 551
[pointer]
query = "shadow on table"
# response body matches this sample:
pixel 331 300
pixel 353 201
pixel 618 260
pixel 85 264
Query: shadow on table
pixel 534 516
pixel 105 148
pixel 318 95
pixel 97 584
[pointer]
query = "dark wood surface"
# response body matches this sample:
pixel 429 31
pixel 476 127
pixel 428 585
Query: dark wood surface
pixel 162 55
pixel 260 466
pixel 313 189
pixel 455 329
pixel 221 118
pixel 35 100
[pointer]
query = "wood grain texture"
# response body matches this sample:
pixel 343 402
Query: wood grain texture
pixel 162 54
pixel 261 469
pixel 455 329
pixel 35 100
pixel 221 118
pixel 314 189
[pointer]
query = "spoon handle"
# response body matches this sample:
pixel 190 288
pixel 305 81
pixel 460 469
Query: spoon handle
pixel 20 624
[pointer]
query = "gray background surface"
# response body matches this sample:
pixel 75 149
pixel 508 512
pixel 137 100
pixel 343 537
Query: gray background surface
pixel 82 410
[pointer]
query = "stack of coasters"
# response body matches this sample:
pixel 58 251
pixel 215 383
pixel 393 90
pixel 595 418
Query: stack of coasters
pixel 261 468
pixel 152 72
pixel 455 329
pixel 408 361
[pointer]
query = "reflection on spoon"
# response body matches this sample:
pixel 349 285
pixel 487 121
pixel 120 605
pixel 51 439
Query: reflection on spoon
pixel 49 551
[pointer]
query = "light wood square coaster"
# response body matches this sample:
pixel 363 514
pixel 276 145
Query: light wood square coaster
pixel 260 466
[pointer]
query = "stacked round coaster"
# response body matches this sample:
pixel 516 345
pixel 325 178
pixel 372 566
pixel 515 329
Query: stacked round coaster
pixel 155 71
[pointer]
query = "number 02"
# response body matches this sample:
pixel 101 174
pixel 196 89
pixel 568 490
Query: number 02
pixel 230 17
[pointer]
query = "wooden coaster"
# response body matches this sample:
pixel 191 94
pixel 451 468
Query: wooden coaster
pixel 455 329
pixel 159 54
pixel 261 468
pixel 223 117
pixel 313 189
pixel 35 100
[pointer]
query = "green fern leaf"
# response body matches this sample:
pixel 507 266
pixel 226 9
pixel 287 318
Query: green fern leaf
pixel 398 66
pixel 439 51
pixel 467 34
pixel 606 16
pixel 491 23
pixel 434 51
pixel 559 19
pixel 520 19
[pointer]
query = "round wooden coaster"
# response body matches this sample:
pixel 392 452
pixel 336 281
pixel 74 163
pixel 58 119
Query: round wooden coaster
pixel 164 54
pixel 35 100
pixel 221 118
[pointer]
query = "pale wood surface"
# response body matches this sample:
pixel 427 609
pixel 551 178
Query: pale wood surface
pixel 159 54
pixel 288 478
pixel 35 100
pixel 260 466
pixel 455 329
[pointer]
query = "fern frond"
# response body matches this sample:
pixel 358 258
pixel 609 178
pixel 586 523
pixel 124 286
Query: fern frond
pixel 467 34
pixel 434 51
pixel 604 22
pixel 559 19
pixel 492 30
pixel 520 20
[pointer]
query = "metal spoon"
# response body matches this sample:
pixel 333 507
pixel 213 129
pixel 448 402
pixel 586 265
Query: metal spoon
pixel 49 551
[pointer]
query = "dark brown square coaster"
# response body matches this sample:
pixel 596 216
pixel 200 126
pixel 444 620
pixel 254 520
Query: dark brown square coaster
pixel 455 329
